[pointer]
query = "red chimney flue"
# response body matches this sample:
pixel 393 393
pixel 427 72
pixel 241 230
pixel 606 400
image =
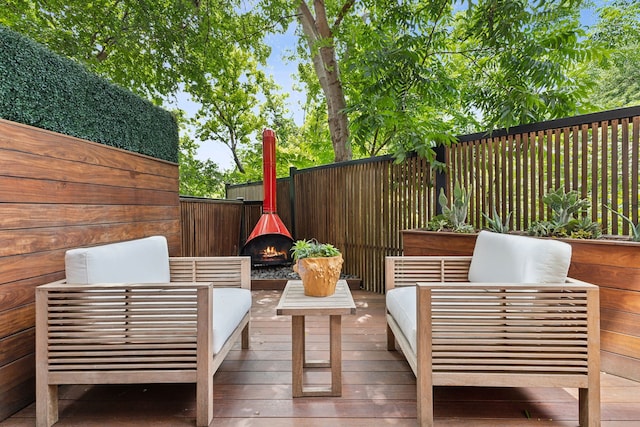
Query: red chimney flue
pixel 270 241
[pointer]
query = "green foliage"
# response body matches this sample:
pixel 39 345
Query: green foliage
pixel 42 89
pixel 205 51
pixel 617 34
pixel 635 228
pixel 565 206
pixel 496 224
pixel 198 178
pixel 312 249
pixel 151 48
pixel 568 217
pixel 456 214
pixel 439 223
pixel 414 73
pixel 417 73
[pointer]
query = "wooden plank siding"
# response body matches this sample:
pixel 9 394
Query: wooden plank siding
pixel 56 193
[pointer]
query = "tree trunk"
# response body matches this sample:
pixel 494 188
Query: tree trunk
pixel 320 39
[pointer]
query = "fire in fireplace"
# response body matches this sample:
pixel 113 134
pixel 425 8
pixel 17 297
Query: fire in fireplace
pixel 270 242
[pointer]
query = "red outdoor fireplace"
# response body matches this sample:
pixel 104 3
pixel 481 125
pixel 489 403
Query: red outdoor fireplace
pixel 270 242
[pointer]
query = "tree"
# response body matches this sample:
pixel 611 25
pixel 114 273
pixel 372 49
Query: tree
pixel 149 46
pixel 227 114
pixel 319 35
pixel 421 72
pixel 198 178
pixel 616 74
pixel 408 76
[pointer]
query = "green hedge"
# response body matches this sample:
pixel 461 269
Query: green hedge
pixel 42 89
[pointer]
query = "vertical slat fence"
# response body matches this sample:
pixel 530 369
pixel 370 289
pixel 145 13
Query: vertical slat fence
pixel 512 172
pixel 361 207
pixel 210 227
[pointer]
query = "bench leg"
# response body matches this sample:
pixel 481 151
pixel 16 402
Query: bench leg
pixel 589 407
pixel 245 336
pixel 391 339
pixel 46 405
pixel 204 401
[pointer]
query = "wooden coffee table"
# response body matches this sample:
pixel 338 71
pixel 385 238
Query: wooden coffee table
pixel 294 303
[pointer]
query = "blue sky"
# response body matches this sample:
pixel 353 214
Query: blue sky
pixel 283 73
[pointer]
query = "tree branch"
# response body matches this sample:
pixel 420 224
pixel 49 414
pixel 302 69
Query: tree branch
pixel 343 12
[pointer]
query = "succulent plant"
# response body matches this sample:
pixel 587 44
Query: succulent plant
pixel 456 214
pixel 496 224
pixel 312 249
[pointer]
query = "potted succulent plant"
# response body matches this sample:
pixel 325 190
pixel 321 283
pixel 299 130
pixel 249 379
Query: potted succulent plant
pixel 319 266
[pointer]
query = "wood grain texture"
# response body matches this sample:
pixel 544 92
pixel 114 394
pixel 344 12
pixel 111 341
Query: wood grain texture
pixel 57 193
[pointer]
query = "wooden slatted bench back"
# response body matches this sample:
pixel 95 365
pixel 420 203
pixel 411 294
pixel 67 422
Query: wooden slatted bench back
pixel 224 272
pixel 407 271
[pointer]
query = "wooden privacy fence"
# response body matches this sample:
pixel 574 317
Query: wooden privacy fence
pixel 361 206
pixel 210 227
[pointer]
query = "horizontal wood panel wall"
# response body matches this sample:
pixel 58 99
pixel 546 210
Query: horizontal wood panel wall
pixel 56 193
pixel 615 268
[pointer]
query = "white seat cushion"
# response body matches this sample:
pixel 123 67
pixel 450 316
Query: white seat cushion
pixel 135 261
pixel 229 307
pixel 401 304
pixel 506 258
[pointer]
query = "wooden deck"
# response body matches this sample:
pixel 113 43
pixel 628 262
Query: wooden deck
pixel 253 387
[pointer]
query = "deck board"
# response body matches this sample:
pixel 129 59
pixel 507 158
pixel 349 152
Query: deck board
pixel 253 387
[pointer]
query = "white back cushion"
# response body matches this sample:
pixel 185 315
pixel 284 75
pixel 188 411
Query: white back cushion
pixel 136 261
pixel 506 258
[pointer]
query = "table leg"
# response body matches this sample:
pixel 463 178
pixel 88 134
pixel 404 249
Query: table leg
pixel 299 360
pixel 297 354
pixel 335 349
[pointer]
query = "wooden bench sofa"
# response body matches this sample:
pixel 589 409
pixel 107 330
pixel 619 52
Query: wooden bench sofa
pixel 506 317
pixel 128 313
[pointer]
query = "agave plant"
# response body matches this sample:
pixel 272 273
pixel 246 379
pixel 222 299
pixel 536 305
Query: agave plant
pixel 565 206
pixel 565 219
pixel 456 214
pixel 496 224
pixel 635 228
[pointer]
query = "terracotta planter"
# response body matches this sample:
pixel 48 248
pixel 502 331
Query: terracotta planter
pixel 319 275
pixel 612 264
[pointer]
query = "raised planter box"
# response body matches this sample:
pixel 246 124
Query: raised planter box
pixel 613 265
